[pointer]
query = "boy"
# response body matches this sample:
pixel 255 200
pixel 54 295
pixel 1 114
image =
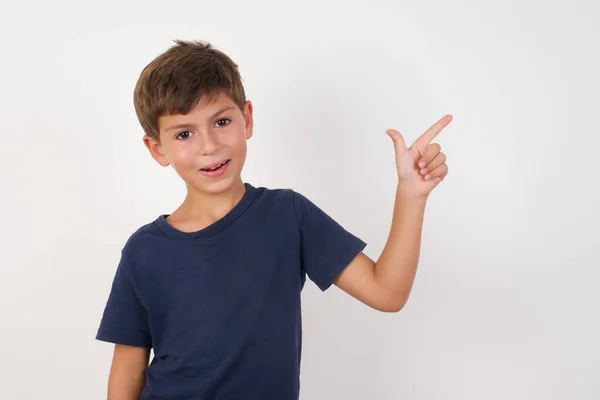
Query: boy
pixel 214 288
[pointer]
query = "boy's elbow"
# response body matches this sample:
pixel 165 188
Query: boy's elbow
pixel 392 306
pixel 392 309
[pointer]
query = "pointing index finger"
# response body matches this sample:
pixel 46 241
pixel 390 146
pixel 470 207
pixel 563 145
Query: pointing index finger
pixel 433 131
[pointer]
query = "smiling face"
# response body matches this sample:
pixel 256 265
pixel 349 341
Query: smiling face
pixel 207 146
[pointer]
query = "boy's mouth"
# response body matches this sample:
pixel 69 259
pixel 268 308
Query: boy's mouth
pixel 214 167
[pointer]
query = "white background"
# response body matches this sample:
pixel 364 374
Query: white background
pixel 506 301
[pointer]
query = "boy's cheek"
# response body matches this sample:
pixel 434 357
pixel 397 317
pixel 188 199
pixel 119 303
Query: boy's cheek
pixel 184 160
pixel 183 167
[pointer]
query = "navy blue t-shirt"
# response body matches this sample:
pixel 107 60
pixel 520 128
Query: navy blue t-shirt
pixel 220 307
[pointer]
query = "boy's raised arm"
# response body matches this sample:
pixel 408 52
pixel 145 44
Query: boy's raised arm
pixel 386 284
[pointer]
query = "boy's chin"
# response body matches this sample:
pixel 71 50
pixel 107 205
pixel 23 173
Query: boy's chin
pixel 216 187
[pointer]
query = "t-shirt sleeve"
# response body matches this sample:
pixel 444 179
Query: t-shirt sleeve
pixel 125 320
pixel 326 246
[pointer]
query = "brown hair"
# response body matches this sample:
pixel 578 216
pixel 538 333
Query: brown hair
pixel 176 80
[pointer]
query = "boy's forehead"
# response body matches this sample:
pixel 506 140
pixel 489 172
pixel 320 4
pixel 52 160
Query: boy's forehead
pixel 205 108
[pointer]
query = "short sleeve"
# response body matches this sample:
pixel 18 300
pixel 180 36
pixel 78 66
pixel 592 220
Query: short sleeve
pixel 125 320
pixel 326 246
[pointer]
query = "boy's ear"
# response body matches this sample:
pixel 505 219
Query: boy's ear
pixel 156 151
pixel 249 119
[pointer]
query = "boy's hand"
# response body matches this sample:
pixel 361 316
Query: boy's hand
pixel 422 166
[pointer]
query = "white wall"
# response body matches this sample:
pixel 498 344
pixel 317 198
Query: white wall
pixel 505 305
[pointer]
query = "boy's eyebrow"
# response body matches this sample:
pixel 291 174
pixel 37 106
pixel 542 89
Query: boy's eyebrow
pixel 214 115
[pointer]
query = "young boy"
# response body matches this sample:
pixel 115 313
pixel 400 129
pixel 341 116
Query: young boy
pixel 214 287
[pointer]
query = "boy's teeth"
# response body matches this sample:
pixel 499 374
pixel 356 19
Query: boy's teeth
pixel 215 167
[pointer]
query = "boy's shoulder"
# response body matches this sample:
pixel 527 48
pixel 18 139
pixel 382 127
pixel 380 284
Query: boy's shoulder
pixel 269 199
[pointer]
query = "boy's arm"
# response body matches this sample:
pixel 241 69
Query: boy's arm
pixel 128 372
pixel 386 284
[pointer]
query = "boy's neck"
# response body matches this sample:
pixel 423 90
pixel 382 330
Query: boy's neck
pixel 199 210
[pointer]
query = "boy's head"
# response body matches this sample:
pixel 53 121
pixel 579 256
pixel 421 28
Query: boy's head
pixel 192 106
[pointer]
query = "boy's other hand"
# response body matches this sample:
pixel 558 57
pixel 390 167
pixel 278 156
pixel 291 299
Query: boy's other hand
pixel 422 166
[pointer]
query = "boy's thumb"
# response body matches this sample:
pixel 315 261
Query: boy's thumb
pixel 397 139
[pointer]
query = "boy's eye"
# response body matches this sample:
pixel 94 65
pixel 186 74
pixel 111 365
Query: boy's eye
pixel 186 134
pixel 223 122
pixel 183 135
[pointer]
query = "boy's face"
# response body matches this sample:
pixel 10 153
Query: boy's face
pixel 208 136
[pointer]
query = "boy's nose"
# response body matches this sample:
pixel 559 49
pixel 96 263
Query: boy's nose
pixel 209 142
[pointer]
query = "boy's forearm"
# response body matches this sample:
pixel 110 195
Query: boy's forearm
pixel 396 267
